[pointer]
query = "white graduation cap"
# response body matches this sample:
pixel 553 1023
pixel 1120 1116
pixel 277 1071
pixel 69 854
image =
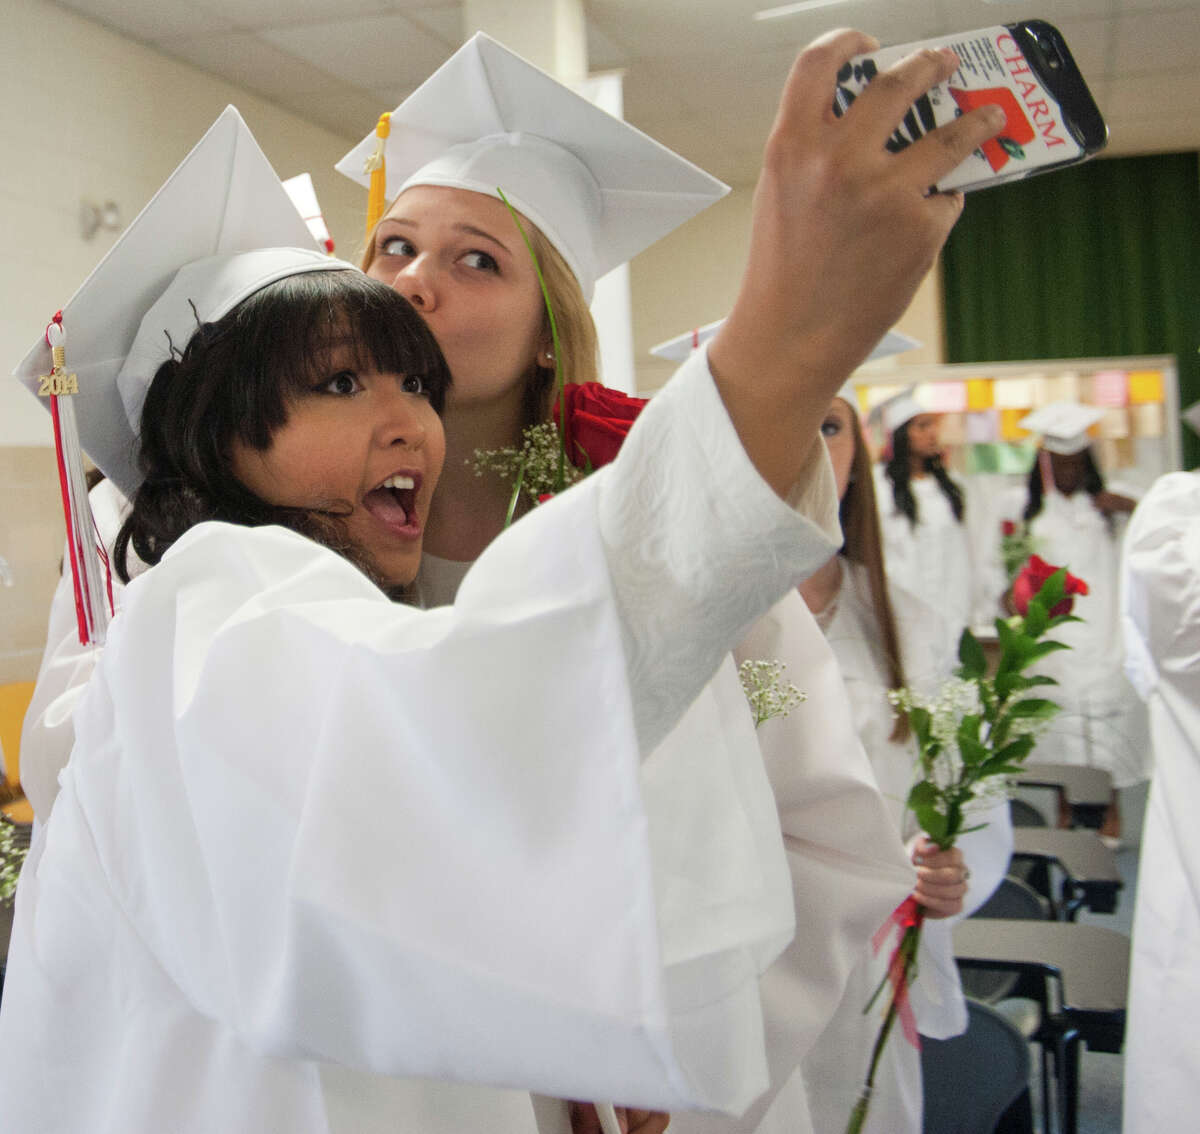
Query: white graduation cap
pixel 1192 416
pixel 145 298
pixel 678 348
pixel 1063 426
pixel 304 197
pixel 599 189
pixel 223 197
pixel 897 410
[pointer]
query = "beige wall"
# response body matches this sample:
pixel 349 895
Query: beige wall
pixel 85 114
pixel 691 277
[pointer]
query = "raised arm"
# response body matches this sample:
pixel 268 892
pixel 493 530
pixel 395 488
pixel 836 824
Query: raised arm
pixel 843 234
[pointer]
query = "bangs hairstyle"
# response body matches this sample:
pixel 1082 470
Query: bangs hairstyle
pixel 236 380
pixel 577 340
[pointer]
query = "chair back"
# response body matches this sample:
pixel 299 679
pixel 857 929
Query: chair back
pixel 1013 898
pixel 970 1081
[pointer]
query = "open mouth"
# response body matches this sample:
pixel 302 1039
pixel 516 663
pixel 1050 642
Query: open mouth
pixel 394 503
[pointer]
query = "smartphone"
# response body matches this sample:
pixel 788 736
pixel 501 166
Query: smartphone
pixel 1028 71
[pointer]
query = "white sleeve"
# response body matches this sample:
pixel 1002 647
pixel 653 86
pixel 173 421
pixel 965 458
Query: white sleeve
pixel 1160 598
pixel 415 842
pixel 48 733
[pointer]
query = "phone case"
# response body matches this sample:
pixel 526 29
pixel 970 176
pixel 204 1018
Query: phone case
pixel 1024 68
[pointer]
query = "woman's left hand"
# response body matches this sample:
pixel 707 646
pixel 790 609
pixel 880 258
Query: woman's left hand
pixel 941 878
pixel 585 1120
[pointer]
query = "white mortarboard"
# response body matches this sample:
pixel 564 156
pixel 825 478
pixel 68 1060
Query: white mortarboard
pixel 897 410
pixel 304 197
pixel 1063 426
pixel 122 323
pixel 223 197
pixel 1192 416
pixel 599 189
pixel 678 348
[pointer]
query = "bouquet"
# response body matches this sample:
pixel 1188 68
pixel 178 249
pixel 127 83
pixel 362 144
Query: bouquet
pixel 1016 546
pixel 977 731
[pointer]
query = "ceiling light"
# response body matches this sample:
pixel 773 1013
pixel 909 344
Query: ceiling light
pixel 792 9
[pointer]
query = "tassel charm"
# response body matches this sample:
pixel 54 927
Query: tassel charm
pixel 90 574
pixel 376 166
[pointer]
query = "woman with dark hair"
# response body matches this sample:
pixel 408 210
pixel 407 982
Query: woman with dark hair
pixel 314 861
pixel 922 517
pixel 883 638
pixel 1074 519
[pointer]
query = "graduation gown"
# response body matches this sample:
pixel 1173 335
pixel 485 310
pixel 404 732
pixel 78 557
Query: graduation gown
pixel 318 858
pixel 933 560
pixel 1161 616
pixel 1102 721
pixel 836 1068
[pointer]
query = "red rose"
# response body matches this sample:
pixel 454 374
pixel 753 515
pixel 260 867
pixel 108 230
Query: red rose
pixel 1030 580
pixel 597 421
pixel 1008 528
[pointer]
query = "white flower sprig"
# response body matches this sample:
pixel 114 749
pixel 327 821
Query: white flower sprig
pixel 769 695
pixel 534 467
pixel 11 858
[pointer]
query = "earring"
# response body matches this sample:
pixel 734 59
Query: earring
pixel 548 355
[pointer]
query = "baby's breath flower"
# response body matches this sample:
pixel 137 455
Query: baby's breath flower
pixel 11 858
pixel 765 689
pixel 535 462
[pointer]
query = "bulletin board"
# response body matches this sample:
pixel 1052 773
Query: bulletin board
pixel 982 403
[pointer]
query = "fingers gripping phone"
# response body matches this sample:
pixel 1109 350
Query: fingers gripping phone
pixel 1028 71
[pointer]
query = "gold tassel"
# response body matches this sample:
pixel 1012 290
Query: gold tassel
pixel 376 166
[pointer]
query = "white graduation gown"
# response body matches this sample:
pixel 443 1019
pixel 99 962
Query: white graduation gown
pixel 48 733
pixel 1102 722
pixel 933 560
pixel 1161 607
pixel 837 1065
pixel 310 842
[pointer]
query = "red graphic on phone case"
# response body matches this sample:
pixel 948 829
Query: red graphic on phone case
pixel 1017 132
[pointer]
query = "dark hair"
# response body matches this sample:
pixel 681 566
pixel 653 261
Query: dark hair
pixel 898 471
pixel 235 381
pixel 864 544
pixel 1093 484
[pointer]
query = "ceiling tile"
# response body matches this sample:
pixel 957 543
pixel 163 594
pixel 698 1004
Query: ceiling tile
pixel 254 14
pixel 444 22
pixel 151 20
pixel 365 51
pixel 248 61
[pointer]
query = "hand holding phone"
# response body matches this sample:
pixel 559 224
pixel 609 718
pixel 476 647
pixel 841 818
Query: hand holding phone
pixel 1025 69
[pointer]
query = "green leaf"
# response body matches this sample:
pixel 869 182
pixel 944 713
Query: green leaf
pixel 1033 708
pixel 923 794
pixel 1014 750
pixel 970 653
pixel 1036 619
pixel 920 721
pixel 1040 649
pixel 1054 589
pixel 973 751
pixel 932 822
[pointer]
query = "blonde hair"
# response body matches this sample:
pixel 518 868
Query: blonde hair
pixel 577 342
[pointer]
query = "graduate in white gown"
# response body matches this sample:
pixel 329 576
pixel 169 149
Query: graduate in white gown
pixel 922 511
pixel 273 978
pixel 883 638
pixel 1074 519
pixel 1161 619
